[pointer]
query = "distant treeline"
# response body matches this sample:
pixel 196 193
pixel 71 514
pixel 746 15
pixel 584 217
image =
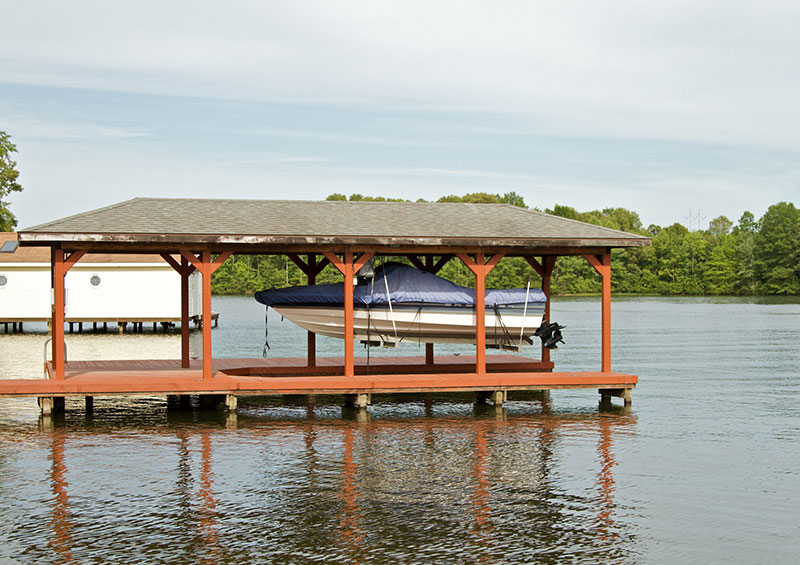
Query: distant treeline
pixel 750 257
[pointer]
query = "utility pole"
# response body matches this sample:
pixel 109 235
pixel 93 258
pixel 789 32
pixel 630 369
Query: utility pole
pixel 696 218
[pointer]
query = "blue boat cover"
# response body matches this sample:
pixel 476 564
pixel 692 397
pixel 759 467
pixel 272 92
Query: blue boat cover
pixel 406 285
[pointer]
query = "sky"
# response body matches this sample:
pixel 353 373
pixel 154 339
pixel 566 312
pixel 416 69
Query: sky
pixel 682 111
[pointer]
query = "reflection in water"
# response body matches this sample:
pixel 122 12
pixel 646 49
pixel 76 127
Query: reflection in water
pixel 482 528
pixel 208 503
pixel 477 488
pixel 351 535
pixel 61 542
pixel 605 481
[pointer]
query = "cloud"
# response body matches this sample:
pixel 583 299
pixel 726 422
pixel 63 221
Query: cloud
pixel 693 71
pixel 68 130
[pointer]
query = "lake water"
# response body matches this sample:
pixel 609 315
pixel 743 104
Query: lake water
pixel 704 467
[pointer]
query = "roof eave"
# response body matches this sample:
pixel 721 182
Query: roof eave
pixel 171 241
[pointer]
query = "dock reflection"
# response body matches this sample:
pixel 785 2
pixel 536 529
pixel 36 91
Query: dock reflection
pixel 61 541
pixel 477 486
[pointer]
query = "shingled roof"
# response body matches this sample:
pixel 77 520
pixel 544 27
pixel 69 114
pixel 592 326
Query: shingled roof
pixel 262 224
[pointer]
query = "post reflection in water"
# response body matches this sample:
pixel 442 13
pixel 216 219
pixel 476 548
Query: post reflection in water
pixel 605 481
pixel 208 502
pixel 482 527
pixel 478 486
pixel 61 541
pixel 351 535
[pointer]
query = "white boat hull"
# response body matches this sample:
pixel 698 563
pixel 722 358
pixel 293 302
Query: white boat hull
pixel 511 329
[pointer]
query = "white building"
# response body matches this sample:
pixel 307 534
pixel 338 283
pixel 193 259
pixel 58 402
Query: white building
pixel 118 288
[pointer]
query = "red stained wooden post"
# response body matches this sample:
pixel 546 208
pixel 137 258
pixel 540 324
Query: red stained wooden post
pixel 312 337
pixel 57 323
pixel 606 313
pixel 207 267
pixel 480 267
pixel 480 316
pixel 185 271
pixel 548 262
pixel 311 269
pixel 205 259
pixel 60 263
pixel 429 359
pixel 348 268
pixel 349 355
pixel 602 264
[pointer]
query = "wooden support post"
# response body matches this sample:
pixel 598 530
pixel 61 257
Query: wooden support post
pixel 544 270
pixel 57 331
pixel 205 258
pixel 348 267
pixel 626 394
pixel 311 338
pixel 498 397
pixel 46 405
pixel 349 325
pixel 602 264
pixel 89 404
pixel 429 359
pixel 231 402
pixel 52 404
pixel 207 267
pixel 185 271
pixel 480 267
pixel 59 265
pixel 360 400
pixel 480 318
pixel 311 269
pixel 606 313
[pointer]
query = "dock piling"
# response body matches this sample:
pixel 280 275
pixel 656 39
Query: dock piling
pixel 51 405
pixel 360 400
pixel 626 394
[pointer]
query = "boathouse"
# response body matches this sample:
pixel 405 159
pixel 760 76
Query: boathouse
pixel 119 288
pixel 204 233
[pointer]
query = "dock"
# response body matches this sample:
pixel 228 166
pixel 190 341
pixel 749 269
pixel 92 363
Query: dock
pixel 291 376
pixel 15 325
pixel 198 236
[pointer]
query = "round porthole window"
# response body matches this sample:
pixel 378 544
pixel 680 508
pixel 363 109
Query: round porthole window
pixel 3 280
pixel 95 280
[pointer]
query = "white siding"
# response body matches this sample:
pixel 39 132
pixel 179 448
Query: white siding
pixel 126 291
pixel 26 293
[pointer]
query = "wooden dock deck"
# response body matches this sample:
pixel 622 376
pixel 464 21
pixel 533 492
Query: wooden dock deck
pixel 287 376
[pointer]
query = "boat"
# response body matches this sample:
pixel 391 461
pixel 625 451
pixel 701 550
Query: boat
pixel 396 303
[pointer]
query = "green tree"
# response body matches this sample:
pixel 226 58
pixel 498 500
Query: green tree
pixel 778 249
pixel 486 198
pixel 720 272
pixel 8 181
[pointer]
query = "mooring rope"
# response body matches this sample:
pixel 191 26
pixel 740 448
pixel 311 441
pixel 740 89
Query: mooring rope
pixel 266 333
pixel 524 313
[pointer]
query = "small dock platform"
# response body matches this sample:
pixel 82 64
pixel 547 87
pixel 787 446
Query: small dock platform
pixel 292 376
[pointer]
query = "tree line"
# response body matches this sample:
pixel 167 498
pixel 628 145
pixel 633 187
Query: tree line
pixel 749 257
